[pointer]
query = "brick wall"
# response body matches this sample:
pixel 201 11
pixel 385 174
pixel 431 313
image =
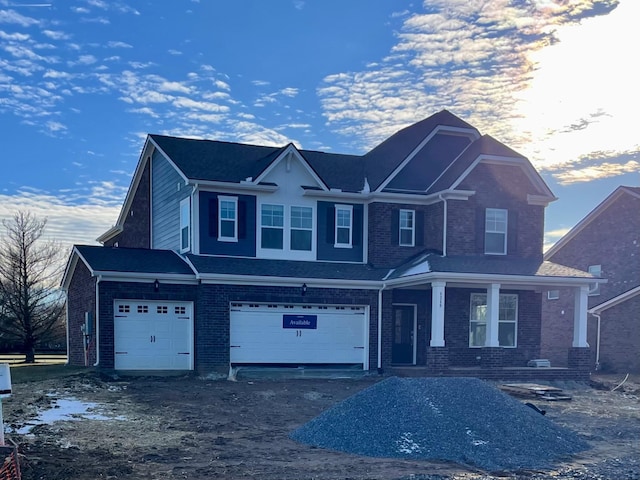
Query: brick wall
pixel 136 229
pixel 384 250
pixel 81 298
pixel 496 186
pixel 612 240
pixel 456 330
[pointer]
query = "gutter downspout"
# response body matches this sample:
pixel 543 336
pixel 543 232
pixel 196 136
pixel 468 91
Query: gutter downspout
pixel 597 342
pixel 97 327
pixel 384 285
pixel 444 225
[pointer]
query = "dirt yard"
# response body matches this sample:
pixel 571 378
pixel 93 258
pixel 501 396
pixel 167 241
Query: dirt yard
pixel 194 428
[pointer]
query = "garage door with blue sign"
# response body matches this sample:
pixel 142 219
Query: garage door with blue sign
pixel 150 335
pixel 299 334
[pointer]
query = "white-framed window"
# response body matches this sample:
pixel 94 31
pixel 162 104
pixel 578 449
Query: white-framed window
pixel 507 320
pixel 301 226
pixel 495 231
pixel 553 294
pixel 344 226
pixel 227 219
pixel 407 228
pixel 594 288
pixel 185 224
pixel 272 226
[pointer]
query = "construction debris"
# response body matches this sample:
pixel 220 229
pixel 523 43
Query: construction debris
pixel 533 390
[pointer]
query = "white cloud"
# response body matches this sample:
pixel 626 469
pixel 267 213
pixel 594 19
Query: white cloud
pixel 116 44
pixel 56 35
pixel 11 16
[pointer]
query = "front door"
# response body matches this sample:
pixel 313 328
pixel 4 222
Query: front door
pixel 404 324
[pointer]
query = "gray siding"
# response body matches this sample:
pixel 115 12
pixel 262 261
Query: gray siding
pixel 165 203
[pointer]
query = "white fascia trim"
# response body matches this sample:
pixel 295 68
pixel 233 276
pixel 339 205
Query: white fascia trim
pixel 623 297
pixel 514 280
pixel 391 197
pixel 168 159
pixel 438 129
pixel 109 276
pixel 523 163
pixel 109 234
pixel 226 187
pixel 71 265
pixel 287 281
pixel 292 150
pixel 582 224
pixel 540 200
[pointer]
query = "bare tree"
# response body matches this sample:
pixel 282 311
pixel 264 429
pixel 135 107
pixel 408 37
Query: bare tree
pixel 31 302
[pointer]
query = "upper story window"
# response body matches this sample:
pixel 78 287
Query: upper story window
pixel 594 288
pixel 507 320
pixel 407 233
pixel 301 235
pixel 185 224
pixel 228 219
pixel 344 226
pixel 553 294
pixel 272 226
pixel 495 231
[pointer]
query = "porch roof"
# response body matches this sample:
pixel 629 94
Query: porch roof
pixel 430 264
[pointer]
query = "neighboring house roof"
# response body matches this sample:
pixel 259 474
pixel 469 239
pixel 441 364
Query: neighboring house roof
pixel 591 216
pixel 617 300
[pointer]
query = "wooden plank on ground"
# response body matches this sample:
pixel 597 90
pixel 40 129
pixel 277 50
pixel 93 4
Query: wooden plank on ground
pixel 533 390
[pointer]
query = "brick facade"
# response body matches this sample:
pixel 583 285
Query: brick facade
pixel 81 298
pixel 136 228
pixel 611 238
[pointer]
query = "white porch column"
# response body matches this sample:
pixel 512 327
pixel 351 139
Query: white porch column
pixel 580 317
pixel 493 309
pixel 437 314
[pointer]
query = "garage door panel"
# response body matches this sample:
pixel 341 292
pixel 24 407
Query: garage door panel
pixel 259 335
pixel 153 335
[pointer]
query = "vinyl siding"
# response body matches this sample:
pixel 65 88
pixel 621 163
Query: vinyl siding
pixel 165 203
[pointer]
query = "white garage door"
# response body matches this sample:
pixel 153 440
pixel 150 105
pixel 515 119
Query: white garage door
pixel 309 334
pixel 151 335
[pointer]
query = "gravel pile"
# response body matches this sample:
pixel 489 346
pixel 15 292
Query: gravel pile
pixel 463 420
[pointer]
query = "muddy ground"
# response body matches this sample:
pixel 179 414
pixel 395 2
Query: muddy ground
pixel 195 428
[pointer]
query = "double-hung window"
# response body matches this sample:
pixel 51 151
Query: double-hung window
pixel 495 231
pixel 301 228
pixel 344 226
pixel 407 233
pixel 228 219
pixel 594 288
pixel 507 320
pixel 272 226
pixel 185 223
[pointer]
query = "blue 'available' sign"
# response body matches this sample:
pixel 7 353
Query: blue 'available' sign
pixel 300 321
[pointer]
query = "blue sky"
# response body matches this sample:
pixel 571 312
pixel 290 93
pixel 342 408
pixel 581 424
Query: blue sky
pixel 83 81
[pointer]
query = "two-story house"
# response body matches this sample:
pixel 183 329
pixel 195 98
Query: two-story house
pixel 607 243
pixel 426 251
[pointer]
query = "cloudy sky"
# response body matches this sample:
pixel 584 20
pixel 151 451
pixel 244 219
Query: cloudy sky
pixel 83 81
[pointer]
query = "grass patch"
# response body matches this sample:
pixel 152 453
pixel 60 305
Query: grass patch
pixel 35 372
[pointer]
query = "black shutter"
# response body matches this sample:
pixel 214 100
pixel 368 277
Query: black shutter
pixel 357 226
pixel 331 224
pixel 512 233
pixel 420 228
pixel 480 225
pixel 395 227
pixel 213 217
pixel 242 218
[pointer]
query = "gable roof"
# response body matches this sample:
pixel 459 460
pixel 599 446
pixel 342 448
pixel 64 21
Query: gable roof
pixel 382 160
pixel 591 216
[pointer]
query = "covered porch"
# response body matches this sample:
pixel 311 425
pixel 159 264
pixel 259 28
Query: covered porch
pixel 485 324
